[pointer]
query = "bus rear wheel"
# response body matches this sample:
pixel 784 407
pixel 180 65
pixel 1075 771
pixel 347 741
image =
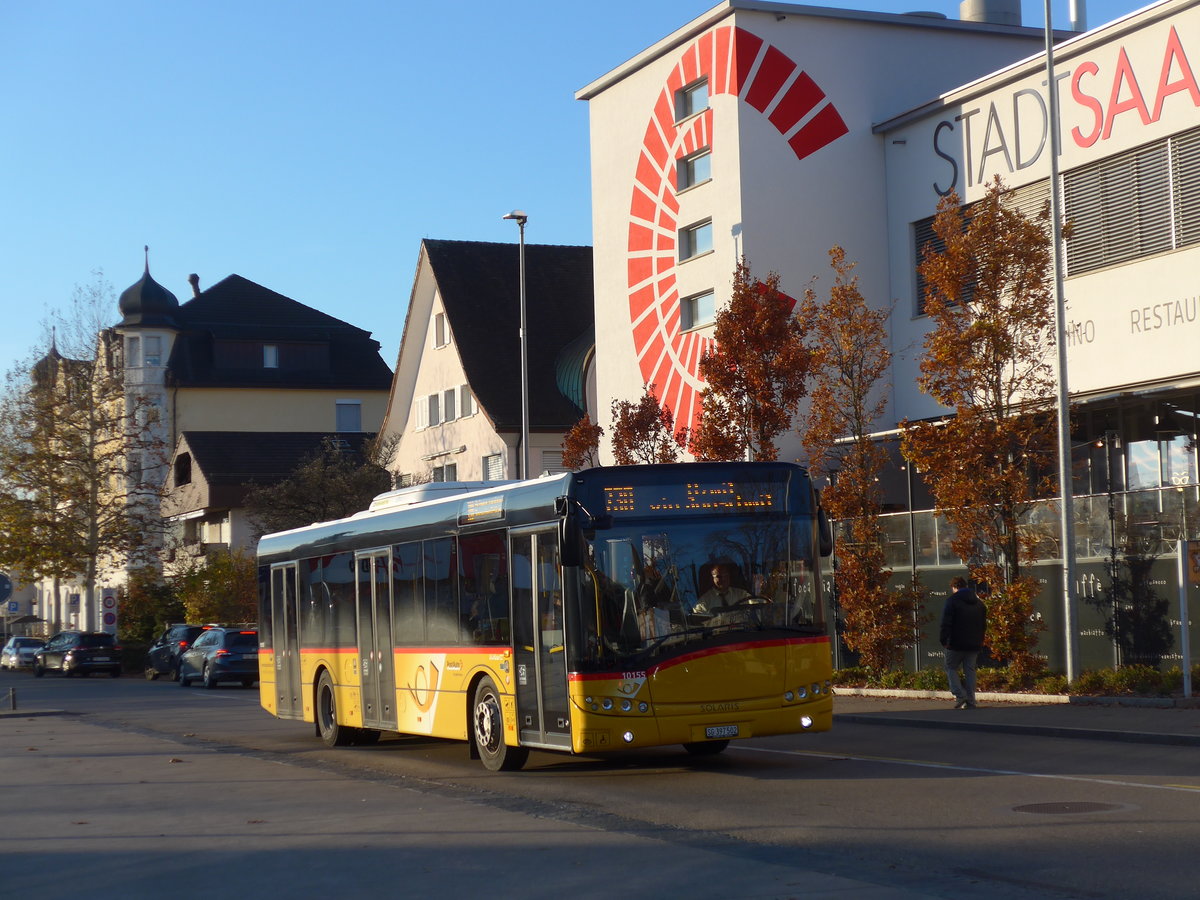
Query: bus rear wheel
pixel 333 734
pixel 487 717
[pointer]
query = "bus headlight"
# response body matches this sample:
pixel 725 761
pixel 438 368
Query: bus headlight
pixel 816 688
pixel 606 702
pixel 626 705
pixel 789 697
pixel 806 722
pixel 801 692
pixel 643 706
pixel 627 737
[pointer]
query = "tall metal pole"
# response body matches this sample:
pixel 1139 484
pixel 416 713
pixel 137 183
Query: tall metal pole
pixel 521 218
pixel 1064 399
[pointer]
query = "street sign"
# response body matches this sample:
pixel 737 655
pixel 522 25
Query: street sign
pixel 1193 558
pixel 14 606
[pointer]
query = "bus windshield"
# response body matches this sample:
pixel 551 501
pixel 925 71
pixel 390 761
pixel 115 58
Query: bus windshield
pixel 651 590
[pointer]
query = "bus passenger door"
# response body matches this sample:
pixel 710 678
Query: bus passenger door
pixel 377 662
pixel 543 711
pixel 286 638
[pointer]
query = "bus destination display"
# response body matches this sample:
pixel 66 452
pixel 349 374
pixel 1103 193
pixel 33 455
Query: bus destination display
pixel 701 498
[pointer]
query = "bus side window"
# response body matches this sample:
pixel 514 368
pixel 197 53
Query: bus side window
pixel 441 591
pixel 483 603
pixel 408 624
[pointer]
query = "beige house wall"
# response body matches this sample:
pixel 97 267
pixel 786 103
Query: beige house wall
pixel 243 409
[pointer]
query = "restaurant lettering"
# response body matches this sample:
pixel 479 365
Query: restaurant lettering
pixel 1162 315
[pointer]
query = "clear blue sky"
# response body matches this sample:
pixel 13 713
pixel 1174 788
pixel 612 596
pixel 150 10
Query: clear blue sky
pixel 306 146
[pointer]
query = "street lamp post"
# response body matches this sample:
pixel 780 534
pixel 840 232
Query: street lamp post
pixel 1066 497
pixel 520 217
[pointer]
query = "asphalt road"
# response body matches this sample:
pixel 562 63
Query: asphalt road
pixel 863 811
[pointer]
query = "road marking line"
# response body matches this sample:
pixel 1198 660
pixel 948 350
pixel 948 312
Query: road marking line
pixel 951 766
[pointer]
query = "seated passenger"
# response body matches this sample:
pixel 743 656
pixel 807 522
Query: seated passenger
pixel 722 595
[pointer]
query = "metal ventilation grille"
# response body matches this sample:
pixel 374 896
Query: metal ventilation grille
pixel 1123 207
pixel 1185 171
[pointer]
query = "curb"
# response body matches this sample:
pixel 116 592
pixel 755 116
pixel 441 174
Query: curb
pixel 1035 699
pixel 1090 734
pixel 30 713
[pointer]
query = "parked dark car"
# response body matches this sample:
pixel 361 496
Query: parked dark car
pixel 221 654
pixel 163 656
pixel 79 653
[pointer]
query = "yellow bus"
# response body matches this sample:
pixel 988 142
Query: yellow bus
pixel 613 608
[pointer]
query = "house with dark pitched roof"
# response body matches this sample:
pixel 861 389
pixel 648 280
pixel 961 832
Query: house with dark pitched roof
pixel 456 398
pixel 247 382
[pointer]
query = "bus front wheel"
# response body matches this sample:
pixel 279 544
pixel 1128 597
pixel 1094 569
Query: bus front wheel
pixel 333 734
pixel 488 722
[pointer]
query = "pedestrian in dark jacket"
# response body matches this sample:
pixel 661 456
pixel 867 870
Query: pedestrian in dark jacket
pixel 964 620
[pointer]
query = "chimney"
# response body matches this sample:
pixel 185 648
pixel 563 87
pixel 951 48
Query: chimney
pixel 993 12
pixel 194 281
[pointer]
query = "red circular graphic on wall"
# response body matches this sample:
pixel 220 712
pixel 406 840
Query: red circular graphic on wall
pixel 735 62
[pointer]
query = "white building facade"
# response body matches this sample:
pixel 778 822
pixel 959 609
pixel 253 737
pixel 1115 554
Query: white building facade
pixel 777 132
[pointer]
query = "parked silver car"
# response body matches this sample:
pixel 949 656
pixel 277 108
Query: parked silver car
pixel 18 652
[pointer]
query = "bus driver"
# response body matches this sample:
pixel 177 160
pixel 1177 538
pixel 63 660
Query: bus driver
pixel 722 595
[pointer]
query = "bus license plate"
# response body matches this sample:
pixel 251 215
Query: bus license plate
pixel 721 731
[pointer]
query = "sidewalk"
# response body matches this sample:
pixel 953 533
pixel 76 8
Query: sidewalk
pixel 1133 719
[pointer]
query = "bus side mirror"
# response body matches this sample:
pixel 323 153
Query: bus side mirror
pixel 824 533
pixel 570 537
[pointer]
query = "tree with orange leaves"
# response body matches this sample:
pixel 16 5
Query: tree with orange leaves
pixel 756 375
pixel 644 432
pixel 581 444
pixel 987 358
pixel 850 363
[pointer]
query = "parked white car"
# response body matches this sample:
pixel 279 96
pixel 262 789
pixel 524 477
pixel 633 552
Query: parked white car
pixel 18 652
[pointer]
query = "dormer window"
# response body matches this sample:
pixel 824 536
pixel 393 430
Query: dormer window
pixel 441 334
pixel 183 469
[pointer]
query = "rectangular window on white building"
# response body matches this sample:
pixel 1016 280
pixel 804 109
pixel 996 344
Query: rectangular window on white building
pixel 447 472
pixel 691 99
pixel 493 467
pixel 695 240
pixel 695 169
pixel 349 416
pixel 441 334
pixel 435 409
pixel 133 351
pixel 697 311
pixel 466 401
pixel 449 403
